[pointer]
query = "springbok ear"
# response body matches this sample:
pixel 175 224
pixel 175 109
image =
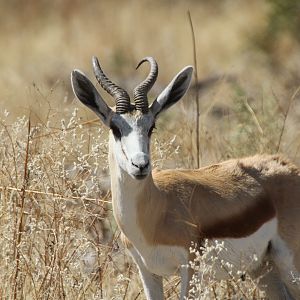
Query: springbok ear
pixel 89 96
pixel 173 92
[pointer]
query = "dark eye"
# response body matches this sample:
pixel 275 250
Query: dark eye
pixel 151 130
pixel 116 131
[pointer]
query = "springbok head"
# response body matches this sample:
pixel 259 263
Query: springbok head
pixel 131 124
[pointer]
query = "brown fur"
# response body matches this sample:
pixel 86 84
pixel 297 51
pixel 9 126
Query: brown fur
pixel 227 200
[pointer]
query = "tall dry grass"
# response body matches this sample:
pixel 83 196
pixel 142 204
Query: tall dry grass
pixel 57 234
pixel 58 237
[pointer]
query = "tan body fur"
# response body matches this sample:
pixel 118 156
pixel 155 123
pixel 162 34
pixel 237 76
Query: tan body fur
pixel 218 200
pixel 230 199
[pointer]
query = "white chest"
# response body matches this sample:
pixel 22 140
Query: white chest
pixel 159 259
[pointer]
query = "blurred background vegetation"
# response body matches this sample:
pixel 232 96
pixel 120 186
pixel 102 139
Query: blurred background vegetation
pixel 42 41
pixel 255 42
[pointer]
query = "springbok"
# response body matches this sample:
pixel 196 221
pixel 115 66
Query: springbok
pixel 252 204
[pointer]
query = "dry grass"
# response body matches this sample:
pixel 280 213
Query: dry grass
pixel 57 235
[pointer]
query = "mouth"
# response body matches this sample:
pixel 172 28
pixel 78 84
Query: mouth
pixel 140 177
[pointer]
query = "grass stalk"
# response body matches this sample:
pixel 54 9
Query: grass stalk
pixel 20 225
pixel 196 92
pixel 285 116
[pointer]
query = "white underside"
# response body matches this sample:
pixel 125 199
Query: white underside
pixel 242 254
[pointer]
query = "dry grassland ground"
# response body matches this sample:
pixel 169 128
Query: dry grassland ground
pixel 58 239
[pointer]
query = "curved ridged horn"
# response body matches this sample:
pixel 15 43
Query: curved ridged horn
pixel 140 92
pixel 120 95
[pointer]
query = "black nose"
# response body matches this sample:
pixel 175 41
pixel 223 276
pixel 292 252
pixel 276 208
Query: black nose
pixel 141 167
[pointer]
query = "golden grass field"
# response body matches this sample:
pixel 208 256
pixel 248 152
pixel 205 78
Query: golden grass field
pixel 58 239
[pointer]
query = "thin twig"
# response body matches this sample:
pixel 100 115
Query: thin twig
pixel 59 130
pixel 20 225
pixel 286 116
pixel 13 151
pixel 197 92
pixel 128 282
pixel 30 272
pixel 172 288
pixel 103 267
pixel 249 108
pixel 138 294
pixel 53 194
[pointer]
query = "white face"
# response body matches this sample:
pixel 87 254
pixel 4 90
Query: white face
pixel 130 142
